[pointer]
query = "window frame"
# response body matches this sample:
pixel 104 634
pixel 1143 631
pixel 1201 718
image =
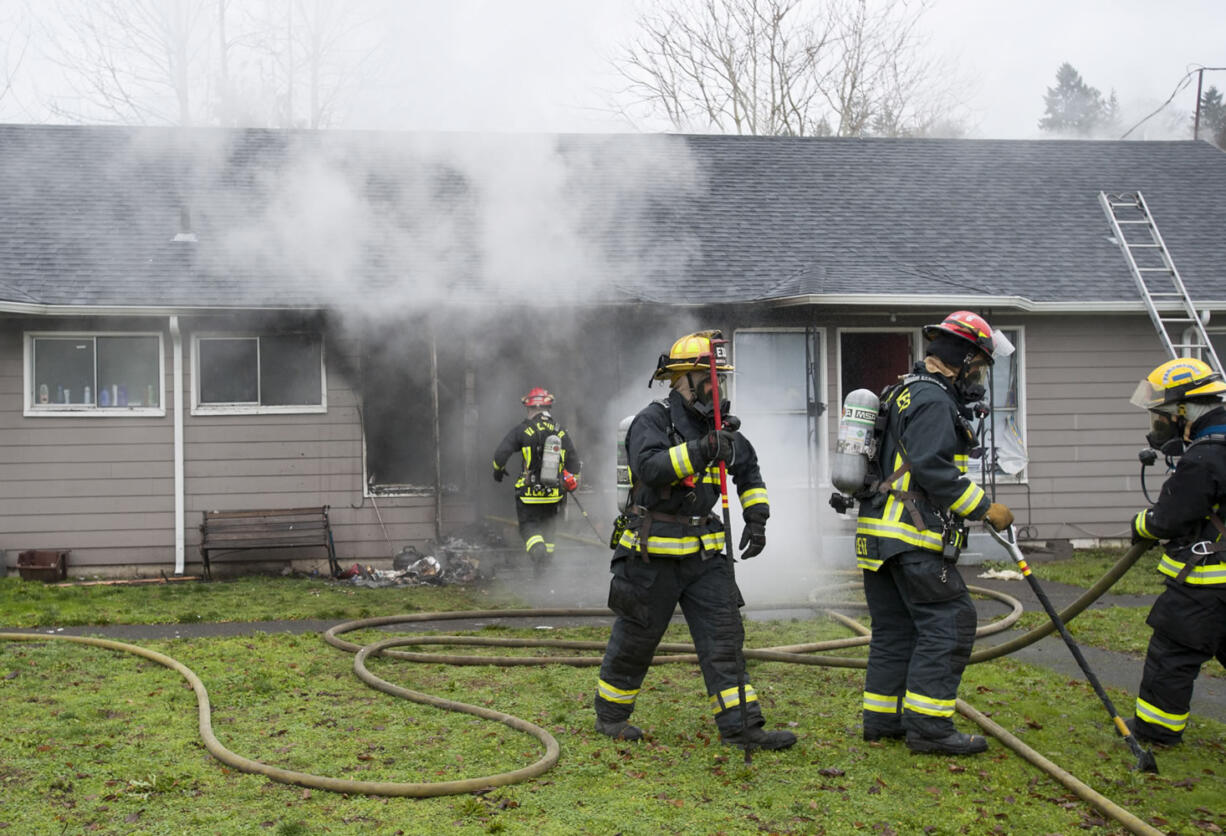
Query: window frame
pixel 198 408
pixel 31 409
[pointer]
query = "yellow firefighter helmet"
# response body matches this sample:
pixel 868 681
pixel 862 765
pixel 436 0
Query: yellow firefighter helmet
pixel 692 353
pixel 1176 381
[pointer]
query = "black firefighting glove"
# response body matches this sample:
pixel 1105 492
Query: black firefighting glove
pixel 718 444
pixel 753 538
pixel 499 473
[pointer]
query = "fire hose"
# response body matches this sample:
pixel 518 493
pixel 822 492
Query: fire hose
pixel 676 653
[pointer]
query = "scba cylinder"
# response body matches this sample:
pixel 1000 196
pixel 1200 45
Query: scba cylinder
pixel 854 446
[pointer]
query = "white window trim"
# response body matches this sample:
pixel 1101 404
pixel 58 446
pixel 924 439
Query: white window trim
pixel 32 410
pixel 250 409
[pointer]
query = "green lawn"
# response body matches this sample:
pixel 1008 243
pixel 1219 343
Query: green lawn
pixel 100 741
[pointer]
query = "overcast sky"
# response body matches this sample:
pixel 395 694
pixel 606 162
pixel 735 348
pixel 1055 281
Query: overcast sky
pixel 544 65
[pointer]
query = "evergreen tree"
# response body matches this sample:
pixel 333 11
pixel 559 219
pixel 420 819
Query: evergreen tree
pixel 1213 117
pixel 1074 107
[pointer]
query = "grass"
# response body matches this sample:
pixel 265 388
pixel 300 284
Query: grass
pixel 106 742
pixel 251 598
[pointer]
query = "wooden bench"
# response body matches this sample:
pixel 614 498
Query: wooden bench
pixel 234 533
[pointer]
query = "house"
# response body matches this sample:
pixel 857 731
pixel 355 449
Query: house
pixel 196 319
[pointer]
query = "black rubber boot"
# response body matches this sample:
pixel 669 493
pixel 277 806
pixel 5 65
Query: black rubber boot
pixel 756 737
pixel 955 743
pixel 619 729
pixel 874 733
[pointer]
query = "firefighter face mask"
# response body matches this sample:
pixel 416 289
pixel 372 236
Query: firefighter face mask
pixel 971 380
pixel 1165 434
pixel 695 387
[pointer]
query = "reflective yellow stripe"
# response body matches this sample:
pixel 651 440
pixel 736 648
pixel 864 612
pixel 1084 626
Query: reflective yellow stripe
pixel 540 500
pixel 927 705
pixel 966 503
pixel 1210 574
pixel 868 563
pixel 961 461
pixel 532 541
pixel 1151 713
pixel 673 546
pixel 930 540
pixel 731 698
pixel 880 703
pixel 1138 522
pixel 753 496
pixel 680 457
pixel 607 692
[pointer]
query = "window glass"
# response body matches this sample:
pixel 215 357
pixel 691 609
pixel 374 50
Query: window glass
pixel 63 370
pixel 268 370
pixel 229 371
pixel 127 371
pixel 289 370
pixel 95 371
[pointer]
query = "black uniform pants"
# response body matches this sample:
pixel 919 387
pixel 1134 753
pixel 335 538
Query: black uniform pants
pixel 923 623
pixel 1189 629
pixel 644 595
pixel 537 523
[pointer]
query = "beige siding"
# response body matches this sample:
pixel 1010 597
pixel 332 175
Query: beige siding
pixel 104 487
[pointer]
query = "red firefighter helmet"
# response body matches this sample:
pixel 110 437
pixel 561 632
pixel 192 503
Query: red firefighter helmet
pixel 967 326
pixel 537 396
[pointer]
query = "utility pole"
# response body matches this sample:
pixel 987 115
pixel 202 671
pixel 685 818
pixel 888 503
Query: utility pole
pixel 1200 79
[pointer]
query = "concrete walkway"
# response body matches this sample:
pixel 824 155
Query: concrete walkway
pixel 1114 670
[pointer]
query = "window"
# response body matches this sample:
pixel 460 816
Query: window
pixel 71 374
pixel 1002 432
pixel 259 373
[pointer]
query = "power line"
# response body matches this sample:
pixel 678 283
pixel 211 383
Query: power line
pixel 1183 82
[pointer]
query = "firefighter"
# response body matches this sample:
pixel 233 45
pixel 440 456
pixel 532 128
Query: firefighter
pixel 1185 401
pixel 909 532
pixel 549 470
pixel 672 550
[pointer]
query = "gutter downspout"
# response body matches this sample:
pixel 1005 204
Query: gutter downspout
pixel 176 341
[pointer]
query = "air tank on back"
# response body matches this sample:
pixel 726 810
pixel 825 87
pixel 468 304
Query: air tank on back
pixel 855 443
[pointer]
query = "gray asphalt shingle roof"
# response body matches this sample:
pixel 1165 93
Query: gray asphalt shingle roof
pixel 300 219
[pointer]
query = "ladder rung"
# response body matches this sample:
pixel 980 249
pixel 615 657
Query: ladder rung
pixel 1126 221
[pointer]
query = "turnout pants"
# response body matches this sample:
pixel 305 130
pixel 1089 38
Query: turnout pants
pixel 643 595
pixel 1189 629
pixel 923 623
pixel 537 523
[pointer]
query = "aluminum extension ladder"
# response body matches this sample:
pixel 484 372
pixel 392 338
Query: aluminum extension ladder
pixel 1159 282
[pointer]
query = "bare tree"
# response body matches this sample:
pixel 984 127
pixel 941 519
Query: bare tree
pixel 131 61
pixel 15 21
pixel 774 67
pixel 274 63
